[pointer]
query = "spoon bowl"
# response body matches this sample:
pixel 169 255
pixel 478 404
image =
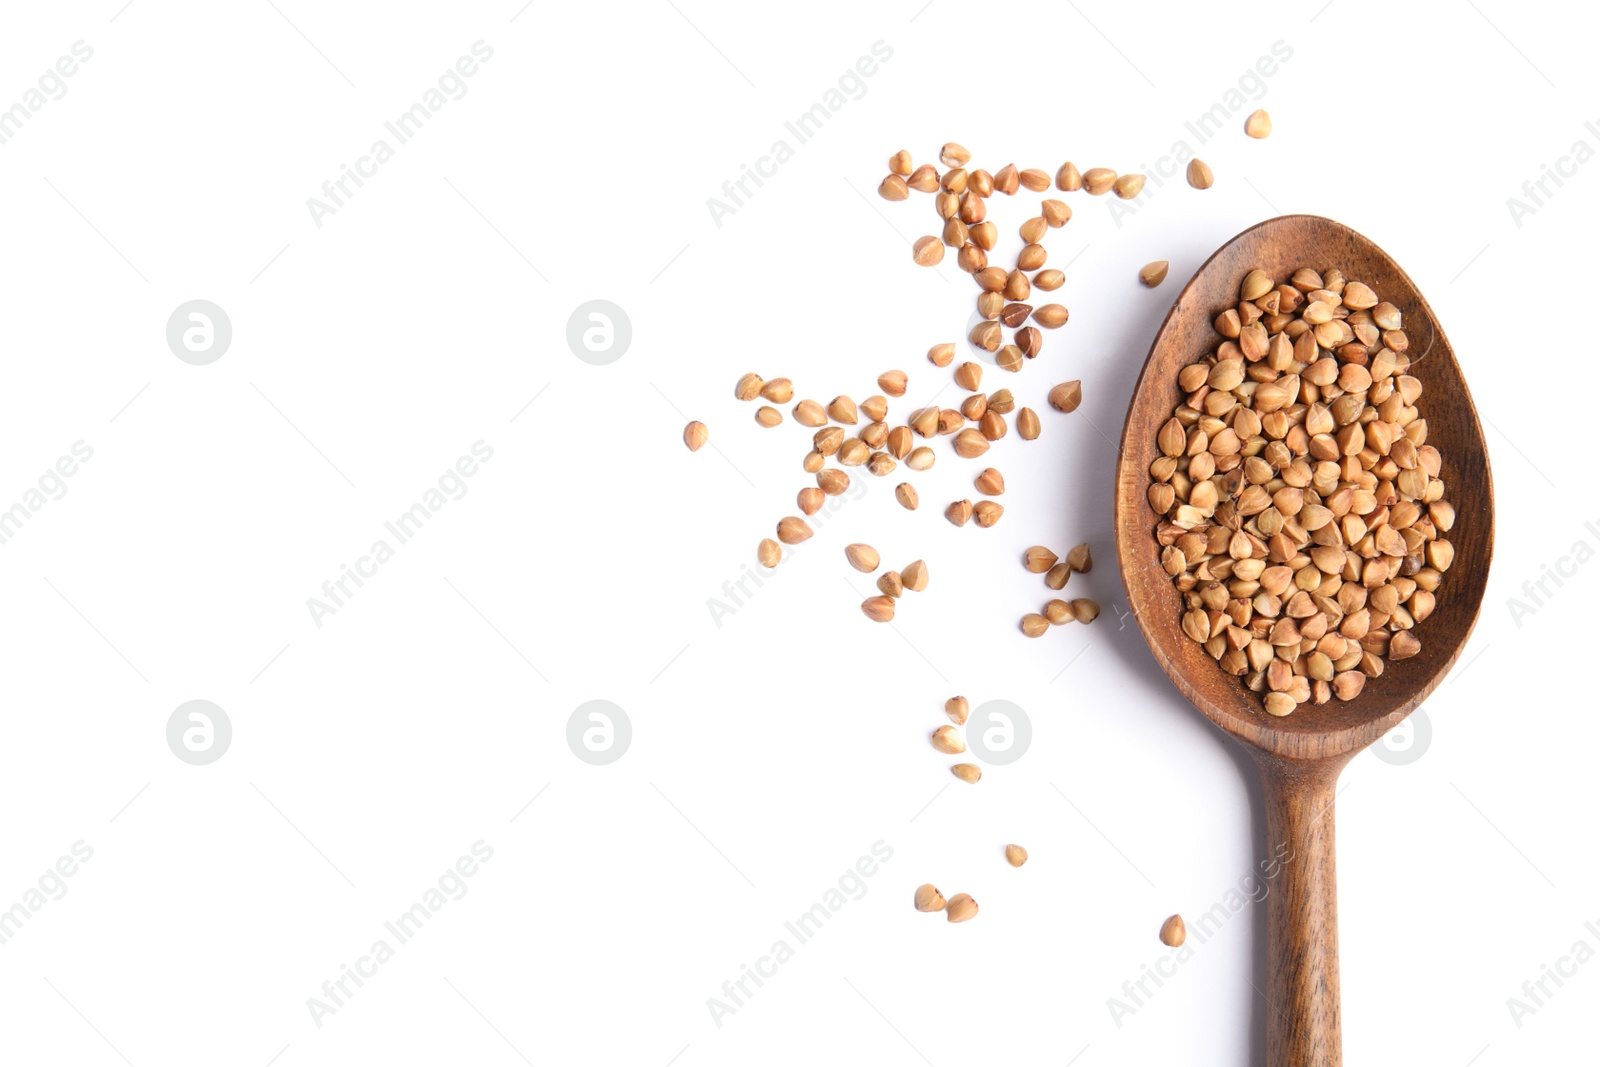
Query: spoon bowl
pixel 1300 755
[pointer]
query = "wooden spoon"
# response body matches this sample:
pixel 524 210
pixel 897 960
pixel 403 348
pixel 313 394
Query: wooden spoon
pixel 1300 756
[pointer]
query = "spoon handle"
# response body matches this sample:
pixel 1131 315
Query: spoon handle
pixel 1302 915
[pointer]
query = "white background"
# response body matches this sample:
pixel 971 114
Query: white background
pixel 772 751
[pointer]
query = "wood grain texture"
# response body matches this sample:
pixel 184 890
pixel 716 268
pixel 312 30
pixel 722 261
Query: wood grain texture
pixel 1302 913
pixel 1300 755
